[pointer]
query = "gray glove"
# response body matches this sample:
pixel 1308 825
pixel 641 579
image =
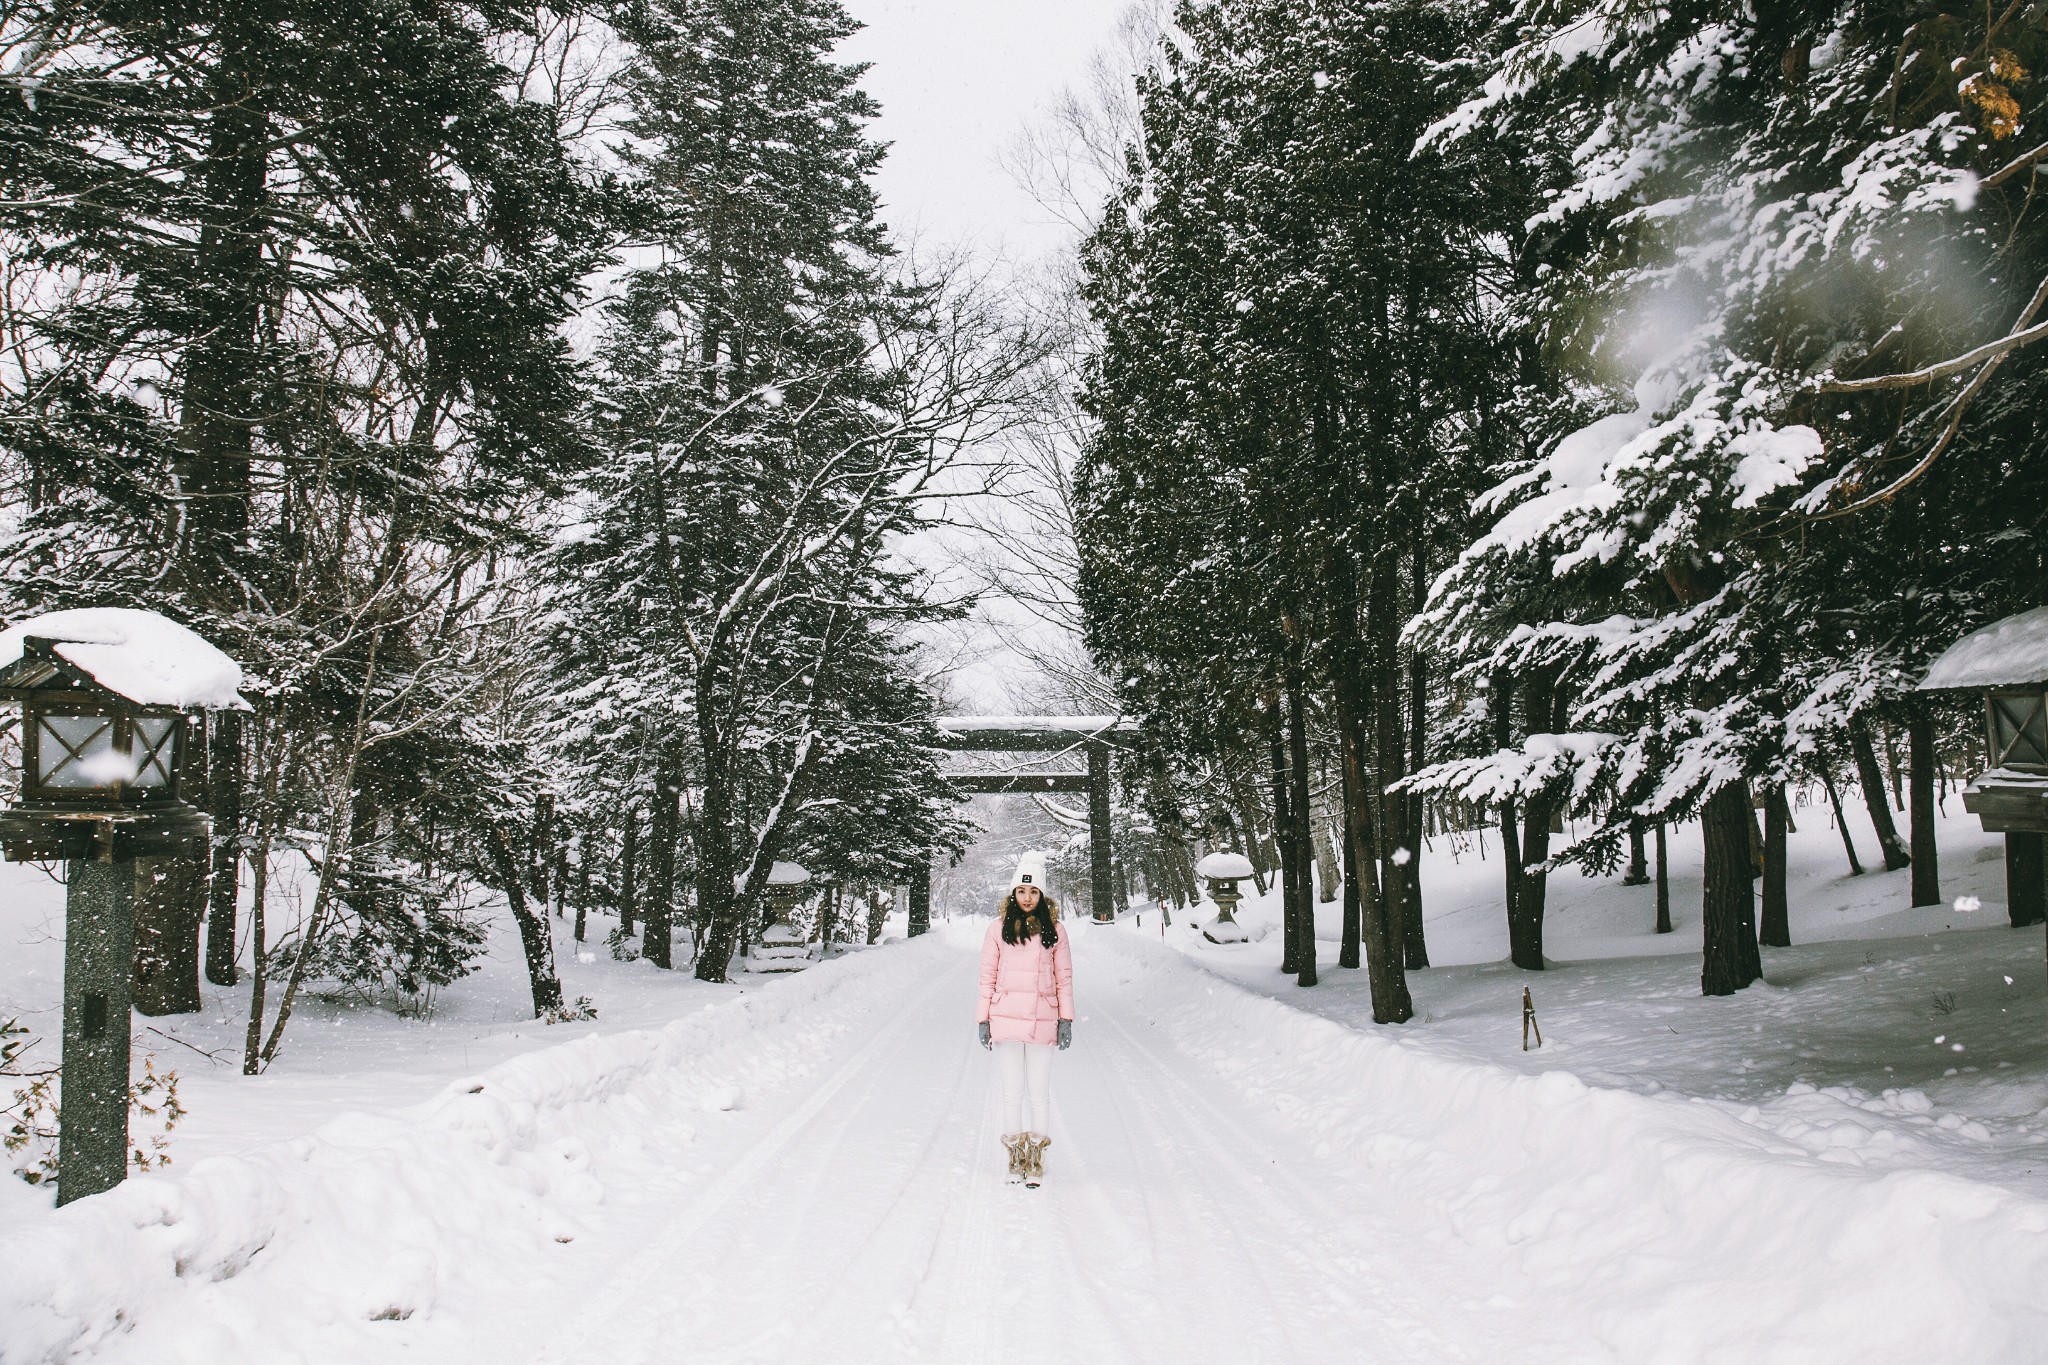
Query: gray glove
pixel 984 1033
pixel 1066 1034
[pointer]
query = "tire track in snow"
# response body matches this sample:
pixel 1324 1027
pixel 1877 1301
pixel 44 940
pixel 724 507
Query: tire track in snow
pixel 659 1259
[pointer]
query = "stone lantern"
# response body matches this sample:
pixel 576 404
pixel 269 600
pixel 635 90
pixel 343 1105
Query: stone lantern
pixel 781 948
pixel 1222 872
pixel 2007 664
pixel 108 698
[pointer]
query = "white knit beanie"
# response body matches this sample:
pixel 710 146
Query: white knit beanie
pixel 1030 872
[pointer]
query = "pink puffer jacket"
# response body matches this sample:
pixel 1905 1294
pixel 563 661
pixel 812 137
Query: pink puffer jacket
pixel 1026 988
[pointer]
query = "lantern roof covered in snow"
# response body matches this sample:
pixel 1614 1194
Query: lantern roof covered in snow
pixel 2008 653
pixel 1224 865
pixel 140 657
pixel 789 874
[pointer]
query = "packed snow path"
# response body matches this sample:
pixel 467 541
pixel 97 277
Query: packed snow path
pixel 871 1222
pixel 808 1171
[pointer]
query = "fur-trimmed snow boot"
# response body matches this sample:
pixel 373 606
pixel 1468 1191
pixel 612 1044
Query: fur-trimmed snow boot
pixel 1034 1159
pixel 1014 1143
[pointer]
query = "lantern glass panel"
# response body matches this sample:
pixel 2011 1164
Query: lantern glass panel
pixel 2019 730
pixel 155 744
pixel 76 753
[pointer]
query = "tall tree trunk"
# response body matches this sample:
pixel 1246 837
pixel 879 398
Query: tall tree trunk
pixel 1283 831
pixel 224 804
pixel 1416 943
pixel 1868 773
pixel 1920 820
pixel 219 407
pixel 1841 821
pixel 1663 883
pixel 629 872
pixel 536 939
pixel 1386 971
pixel 1638 873
pixel 2026 878
pixel 167 910
pixel 1297 805
pixel 1775 928
pixel 1730 959
pixel 1329 873
pixel 1525 922
pixel 583 859
pixel 1500 702
pixel 1390 752
pixel 1248 822
pixel 657 922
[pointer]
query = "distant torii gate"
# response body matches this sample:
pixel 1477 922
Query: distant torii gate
pixel 1095 735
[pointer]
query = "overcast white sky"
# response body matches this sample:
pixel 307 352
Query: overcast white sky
pixel 957 79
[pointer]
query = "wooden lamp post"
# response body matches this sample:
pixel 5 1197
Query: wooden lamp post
pixel 108 700
pixel 2007 663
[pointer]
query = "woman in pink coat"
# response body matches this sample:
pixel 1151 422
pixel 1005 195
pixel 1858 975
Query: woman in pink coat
pixel 1026 1009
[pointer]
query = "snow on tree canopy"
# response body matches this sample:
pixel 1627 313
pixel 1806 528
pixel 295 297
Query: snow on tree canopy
pixel 149 659
pixel 1224 865
pixel 2008 653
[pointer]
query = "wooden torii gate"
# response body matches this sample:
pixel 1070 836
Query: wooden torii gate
pixel 1093 735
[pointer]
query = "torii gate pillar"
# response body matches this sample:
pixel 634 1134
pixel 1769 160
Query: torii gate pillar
pixel 1102 891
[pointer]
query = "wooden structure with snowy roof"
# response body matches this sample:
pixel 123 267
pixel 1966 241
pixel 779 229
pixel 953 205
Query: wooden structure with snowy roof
pixel 107 695
pixel 2006 661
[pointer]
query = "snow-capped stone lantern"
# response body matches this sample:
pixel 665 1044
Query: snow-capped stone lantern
pixel 1222 872
pixel 781 948
pixel 2007 662
pixel 108 698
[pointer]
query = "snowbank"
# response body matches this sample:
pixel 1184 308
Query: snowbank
pixel 371 1219
pixel 147 658
pixel 1678 1232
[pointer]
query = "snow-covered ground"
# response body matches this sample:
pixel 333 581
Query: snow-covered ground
pixel 806 1167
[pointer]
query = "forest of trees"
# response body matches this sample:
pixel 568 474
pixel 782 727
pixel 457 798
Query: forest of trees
pixel 531 400
pixel 1567 419
pixel 1531 411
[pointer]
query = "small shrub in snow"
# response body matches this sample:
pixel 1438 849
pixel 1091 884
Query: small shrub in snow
pixel 31 1116
pixel 1944 1002
pixel 581 1007
pixel 622 945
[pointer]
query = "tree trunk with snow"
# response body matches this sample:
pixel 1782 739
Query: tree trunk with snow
pixel 1386 972
pixel 1872 778
pixel 1283 830
pixel 224 805
pixel 629 871
pixel 1303 905
pixel 168 906
pixel 1775 928
pixel 1415 941
pixel 536 939
pixel 1920 786
pixel 1730 960
pixel 1525 917
pixel 657 919
pixel 1663 882
pixel 1841 821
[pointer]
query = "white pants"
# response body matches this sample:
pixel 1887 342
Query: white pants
pixel 1025 1067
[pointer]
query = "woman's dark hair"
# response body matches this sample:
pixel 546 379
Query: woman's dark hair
pixel 1019 923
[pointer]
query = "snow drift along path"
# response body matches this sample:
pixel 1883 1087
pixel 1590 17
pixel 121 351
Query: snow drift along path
pixel 811 1172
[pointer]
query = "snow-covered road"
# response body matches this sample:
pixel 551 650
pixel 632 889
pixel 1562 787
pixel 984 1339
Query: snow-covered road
pixel 808 1171
pixel 870 1222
